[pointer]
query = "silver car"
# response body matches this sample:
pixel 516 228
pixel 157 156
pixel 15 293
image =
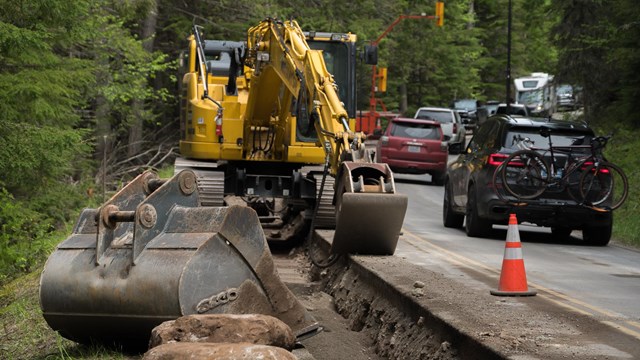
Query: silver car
pixel 451 125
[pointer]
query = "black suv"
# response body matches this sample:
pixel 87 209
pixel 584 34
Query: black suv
pixel 469 190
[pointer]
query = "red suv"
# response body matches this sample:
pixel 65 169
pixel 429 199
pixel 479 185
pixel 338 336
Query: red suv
pixel 414 146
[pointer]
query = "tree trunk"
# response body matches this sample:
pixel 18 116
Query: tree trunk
pixel 137 123
pixel 402 89
pixel 472 11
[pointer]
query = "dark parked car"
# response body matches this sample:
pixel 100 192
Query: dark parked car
pixel 470 195
pixel 471 111
pixel 491 106
pixel 413 146
pixel 565 97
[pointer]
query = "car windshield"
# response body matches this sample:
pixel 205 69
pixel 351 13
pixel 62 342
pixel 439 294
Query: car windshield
pixel 440 116
pixel 564 90
pixel 530 97
pixel 557 138
pixel 415 130
pixel 467 104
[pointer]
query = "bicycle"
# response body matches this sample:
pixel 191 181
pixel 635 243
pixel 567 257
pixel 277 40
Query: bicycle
pixel 589 178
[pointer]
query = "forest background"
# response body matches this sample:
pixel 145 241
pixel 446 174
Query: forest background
pixel 80 79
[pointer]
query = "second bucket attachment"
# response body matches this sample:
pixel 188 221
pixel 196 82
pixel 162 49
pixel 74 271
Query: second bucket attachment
pixel 123 272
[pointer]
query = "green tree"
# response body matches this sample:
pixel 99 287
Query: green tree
pixel 43 85
pixel 599 44
pixel 43 81
pixel 531 47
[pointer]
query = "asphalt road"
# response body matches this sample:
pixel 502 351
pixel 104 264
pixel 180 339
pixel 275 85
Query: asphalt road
pixel 602 282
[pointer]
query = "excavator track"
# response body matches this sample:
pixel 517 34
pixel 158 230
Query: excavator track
pixel 210 182
pixel 325 217
pixel 210 187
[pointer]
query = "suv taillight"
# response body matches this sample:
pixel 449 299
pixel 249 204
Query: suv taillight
pixel 497 159
pixel 455 128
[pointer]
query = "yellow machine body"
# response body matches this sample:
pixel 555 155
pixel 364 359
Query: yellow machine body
pixel 260 118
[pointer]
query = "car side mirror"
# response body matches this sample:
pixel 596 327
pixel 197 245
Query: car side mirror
pixel 447 138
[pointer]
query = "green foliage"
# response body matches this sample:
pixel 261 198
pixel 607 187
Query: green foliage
pixel 22 232
pixel 122 68
pixel 622 150
pixel 31 156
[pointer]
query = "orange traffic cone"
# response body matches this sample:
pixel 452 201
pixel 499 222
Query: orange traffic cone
pixel 513 279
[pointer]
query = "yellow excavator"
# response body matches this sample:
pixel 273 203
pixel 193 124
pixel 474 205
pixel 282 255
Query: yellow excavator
pixel 263 132
pixel 271 112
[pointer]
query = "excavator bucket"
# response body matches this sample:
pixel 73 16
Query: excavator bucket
pixel 369 212
pixel 152 254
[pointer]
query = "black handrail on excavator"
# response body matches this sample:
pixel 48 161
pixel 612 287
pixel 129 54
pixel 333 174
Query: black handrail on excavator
pixel 203 72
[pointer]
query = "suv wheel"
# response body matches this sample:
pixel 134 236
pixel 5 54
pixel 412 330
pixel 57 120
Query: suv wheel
pixel 450 218
pixel 474 225
pixel 438 178
pixel 597 235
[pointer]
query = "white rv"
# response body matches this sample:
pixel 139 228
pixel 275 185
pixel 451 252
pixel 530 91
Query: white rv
pixel 537 92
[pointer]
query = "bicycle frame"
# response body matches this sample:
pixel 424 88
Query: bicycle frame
pixel 560 176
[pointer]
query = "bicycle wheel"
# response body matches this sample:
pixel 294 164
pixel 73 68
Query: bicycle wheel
pixel 604 185
pixel 525 174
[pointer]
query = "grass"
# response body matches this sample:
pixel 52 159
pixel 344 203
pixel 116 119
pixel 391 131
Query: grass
pixel 623 151
pixel 24 334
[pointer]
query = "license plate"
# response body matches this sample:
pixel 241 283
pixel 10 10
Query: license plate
pixel 413 148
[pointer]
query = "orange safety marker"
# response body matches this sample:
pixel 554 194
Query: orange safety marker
pixel 513 279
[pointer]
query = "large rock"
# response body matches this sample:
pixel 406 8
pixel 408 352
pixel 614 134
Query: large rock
pixel 239 351
pixel 224 328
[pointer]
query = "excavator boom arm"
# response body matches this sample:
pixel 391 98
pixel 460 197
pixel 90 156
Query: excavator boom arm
pixel 281 47
pixel 363 190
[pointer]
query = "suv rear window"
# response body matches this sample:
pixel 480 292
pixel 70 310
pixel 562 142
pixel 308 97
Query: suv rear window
pixel 440 116
pixel 513 110
pixel 415 130
pixel 557 138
